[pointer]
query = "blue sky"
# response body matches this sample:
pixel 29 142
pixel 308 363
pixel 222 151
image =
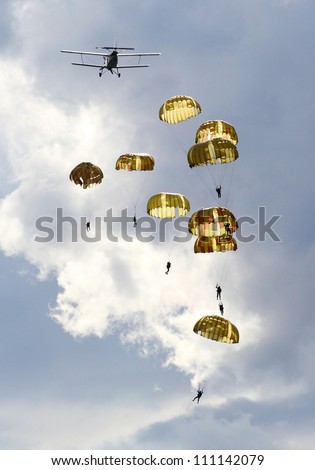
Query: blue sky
pixel 96 342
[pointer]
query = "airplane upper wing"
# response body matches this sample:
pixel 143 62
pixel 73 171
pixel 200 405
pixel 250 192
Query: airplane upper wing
pixel 104 54
pixel 101 54
pixel 138 54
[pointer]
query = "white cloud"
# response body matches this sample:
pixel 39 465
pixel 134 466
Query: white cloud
pixel 106 286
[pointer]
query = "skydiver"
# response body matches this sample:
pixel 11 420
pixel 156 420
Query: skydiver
pixel 198 396
pixel 168 265
pixel 221 308
pixel 88 226
pixel 219 290
pixel 227 228
pixel 134 221
pixel 218 190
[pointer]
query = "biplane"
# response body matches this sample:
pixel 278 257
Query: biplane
pixel 110 58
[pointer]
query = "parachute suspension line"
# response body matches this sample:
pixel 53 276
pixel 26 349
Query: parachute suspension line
pixel 222 273
pixel 214 178
pixel 218 274
pixel 167 243
pixel 206 175
pixel 129 194
pixel 89 206
pixel 82 205
pixel 140 188
pixel 223 179
pixel 135 204
pixel 210 179
pixel 134 195
pixel 227 190
pixel 169 249
pixel 85 205
pixel 203 178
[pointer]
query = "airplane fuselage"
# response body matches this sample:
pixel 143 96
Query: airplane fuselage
pixel 112 60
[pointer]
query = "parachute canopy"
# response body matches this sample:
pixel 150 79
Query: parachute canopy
pixel 179 108
pixel 168 205
pixel 135 162
pixel 209 222
pixel 212 152
pixel 215 244
pixel 217 328
pixel 216 129
pixel 86 175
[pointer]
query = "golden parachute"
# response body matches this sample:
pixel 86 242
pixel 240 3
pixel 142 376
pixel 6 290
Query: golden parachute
pixel 215 244
pixel 135 162
pixel 179 108
pixel 210 222
pixel 168 205
pixel 217 328
pixel 216 129
pixel 212 152
pixel 86 175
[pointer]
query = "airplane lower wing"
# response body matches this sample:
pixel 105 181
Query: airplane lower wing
pixel 88 65
pixel 131 66
pixel 105 67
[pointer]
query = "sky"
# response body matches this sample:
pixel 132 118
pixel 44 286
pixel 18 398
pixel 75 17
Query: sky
pixel 97 344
